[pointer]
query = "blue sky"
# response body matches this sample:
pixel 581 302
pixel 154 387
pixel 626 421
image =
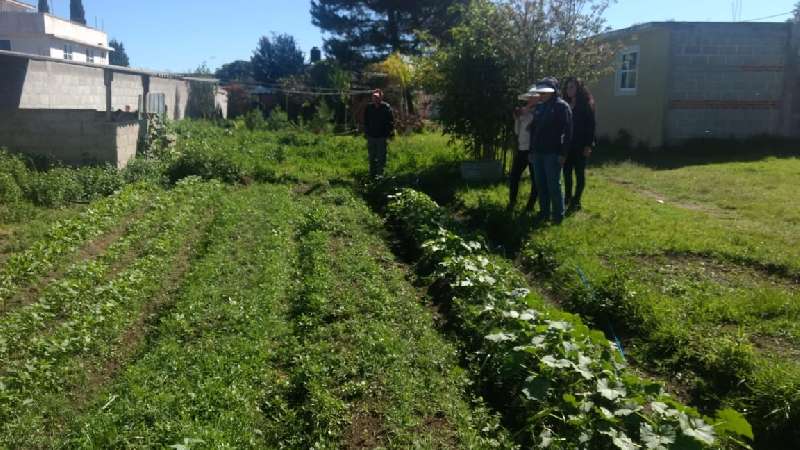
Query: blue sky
pixel 179 35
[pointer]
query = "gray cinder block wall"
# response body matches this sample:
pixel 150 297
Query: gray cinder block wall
pixel 68 110
pixel 76 137
pixel 727 79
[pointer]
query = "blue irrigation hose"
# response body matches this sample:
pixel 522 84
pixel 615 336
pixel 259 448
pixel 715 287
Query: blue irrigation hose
pixel 588 286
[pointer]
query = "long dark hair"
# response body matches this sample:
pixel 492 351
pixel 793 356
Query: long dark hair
pixel 582 94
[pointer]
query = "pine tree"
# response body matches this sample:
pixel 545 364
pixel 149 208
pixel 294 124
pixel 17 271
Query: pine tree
pixel 76 12
pixel 118 57
pixel 370 30
pixel 277 58
pixel 44 6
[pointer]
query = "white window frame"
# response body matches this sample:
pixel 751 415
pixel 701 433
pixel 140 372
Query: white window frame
pixel 68 52
pixel 90 55
pixel 622 68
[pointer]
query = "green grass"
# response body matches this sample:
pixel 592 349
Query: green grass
pixel 293 326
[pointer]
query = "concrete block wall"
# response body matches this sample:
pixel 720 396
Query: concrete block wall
pixel 126 140
pixel 71 136
pixel 50 85
pixel 726 80
pixel 125 92
pixel 176 93
pixel 54 85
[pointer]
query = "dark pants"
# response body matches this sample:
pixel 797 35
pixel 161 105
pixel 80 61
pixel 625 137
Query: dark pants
pixel 547 167
pixel 521 162
pixel 376 148
pixel 576 163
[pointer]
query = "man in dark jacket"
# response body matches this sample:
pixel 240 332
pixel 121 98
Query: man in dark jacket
pixel 378 128
pixel 551 133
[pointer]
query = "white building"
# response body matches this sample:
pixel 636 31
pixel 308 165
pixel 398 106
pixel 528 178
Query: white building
pixel 24 30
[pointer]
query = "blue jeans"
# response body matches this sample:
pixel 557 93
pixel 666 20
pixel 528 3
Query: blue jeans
pixel 547 168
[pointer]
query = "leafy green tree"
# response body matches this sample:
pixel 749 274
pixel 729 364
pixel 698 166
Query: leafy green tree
pixel 277 58
pixel 472 77
pixel 241 71
pixel 499 49
pixel 366 31
pixel 44 6
pixel 118 57
pixel 76 12
pixel 556 38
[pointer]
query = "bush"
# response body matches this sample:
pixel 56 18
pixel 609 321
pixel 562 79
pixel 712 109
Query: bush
pixel 254 120
pixel 55 188
pixel 278 120
pixel 143 169
pixel 10 191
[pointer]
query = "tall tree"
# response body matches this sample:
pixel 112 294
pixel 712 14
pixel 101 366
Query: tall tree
pixel 76 12
pixel 44 6
pixel 498 50
pixel 241 71
pixel 797 12
pixel 366 31
pixel 118 57
pixel 556 38
pixel 277 58
pixel 472 78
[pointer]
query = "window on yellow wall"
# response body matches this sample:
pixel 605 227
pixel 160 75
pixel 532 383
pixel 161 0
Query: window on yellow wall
pixel 628 73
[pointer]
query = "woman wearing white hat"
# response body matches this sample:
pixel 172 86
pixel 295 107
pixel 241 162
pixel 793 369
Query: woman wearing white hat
pixel 523 117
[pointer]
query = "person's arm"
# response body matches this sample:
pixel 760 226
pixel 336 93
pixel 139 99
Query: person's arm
pixel 565 114
pixel 591 130
pixel 390 120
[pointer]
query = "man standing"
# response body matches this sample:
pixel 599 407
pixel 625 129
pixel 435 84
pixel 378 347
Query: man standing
pixel 551 133
pixel 378 128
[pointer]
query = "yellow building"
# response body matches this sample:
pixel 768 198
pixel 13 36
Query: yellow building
pixel 675 81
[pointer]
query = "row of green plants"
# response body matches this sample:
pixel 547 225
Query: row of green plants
pixel 368 369
pixel 65 237
pixel 50 348
pixel 559 383
pixel 205 376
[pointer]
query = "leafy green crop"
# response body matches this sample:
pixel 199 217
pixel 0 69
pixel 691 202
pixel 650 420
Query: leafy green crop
pixel 560 383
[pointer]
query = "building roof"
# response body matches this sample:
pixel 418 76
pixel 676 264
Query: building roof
pixel 675 24
pixel 118 69
pixel 21 4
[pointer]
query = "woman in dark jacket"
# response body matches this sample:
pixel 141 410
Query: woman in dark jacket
pixel 583 140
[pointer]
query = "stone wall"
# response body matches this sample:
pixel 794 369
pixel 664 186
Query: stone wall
pixel 726 79
pixel 72 136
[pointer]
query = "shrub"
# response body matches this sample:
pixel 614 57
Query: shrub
pixel 254 120
pixel 54 188
pixel 278 120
